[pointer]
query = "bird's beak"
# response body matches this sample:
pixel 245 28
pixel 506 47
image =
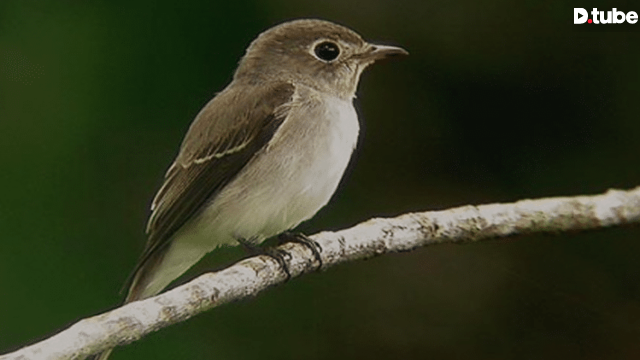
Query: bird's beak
pixel 378 52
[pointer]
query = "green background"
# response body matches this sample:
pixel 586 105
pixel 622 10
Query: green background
pixel 499 100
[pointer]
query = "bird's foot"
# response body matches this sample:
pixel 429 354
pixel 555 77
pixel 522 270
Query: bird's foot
pixel 276 254
pixel 304 240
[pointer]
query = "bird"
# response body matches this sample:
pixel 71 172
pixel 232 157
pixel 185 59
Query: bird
pixel 265 154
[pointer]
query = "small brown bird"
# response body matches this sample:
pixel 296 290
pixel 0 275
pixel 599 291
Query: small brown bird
pixel 263 155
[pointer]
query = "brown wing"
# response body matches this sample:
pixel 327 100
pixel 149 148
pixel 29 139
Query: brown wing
pixel 225 135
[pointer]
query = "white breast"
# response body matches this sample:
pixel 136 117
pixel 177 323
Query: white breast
pixel 297 173
pixel 318 172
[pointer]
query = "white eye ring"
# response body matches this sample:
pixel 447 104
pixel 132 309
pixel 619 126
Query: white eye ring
pixel 326 50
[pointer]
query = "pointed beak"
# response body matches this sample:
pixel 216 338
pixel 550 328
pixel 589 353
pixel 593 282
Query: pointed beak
pixel 378 52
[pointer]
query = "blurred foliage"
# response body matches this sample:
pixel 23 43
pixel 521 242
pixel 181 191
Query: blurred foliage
pixel 499 100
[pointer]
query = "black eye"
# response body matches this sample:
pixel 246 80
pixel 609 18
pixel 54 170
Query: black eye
pixel 327 51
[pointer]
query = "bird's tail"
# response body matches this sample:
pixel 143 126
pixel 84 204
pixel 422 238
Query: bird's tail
pixel 101 356
pixel 139 289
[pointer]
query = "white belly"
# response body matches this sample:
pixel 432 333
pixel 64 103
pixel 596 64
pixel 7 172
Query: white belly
pixel 295 176
pixel 286 184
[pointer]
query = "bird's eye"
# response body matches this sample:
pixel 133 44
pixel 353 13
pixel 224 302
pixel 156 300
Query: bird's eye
pixel 327 51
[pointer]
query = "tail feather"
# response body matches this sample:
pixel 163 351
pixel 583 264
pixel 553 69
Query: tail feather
pixel 100 356
pixel 138 290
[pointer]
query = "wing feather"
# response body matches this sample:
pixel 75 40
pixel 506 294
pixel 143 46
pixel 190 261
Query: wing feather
pixel 225 135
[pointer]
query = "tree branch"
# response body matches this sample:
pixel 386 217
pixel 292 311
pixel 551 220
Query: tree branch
pixel 371 238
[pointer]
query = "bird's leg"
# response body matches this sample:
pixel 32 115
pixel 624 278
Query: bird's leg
pixel 276 254
pixel 303 239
